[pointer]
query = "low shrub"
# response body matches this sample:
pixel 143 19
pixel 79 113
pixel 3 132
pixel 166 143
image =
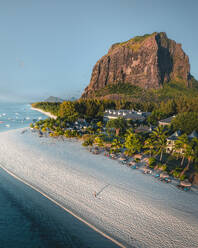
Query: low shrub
pixel 183 177
pixel 152 162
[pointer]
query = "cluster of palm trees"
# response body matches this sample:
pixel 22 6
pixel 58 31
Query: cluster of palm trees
pixel 186 148
pixel 157 142
pixel 155 145
pixel 123 138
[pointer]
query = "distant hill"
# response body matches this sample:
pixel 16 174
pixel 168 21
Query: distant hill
pixel 53 99
pixel 141 65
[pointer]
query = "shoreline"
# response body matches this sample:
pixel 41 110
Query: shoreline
pixel 45 113
pixel 64 208
pixel 128 204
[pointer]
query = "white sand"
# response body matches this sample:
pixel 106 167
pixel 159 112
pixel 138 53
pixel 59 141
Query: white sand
pixel 45 113
pixel 135 209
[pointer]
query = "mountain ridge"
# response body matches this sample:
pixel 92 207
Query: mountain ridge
pixel 149 62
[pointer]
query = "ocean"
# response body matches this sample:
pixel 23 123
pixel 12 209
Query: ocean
pixel 28 219
pixel 17 115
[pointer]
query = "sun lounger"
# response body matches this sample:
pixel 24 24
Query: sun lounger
pixel 131 163
pixel 167 180
pixel 184 185
pixel 147 171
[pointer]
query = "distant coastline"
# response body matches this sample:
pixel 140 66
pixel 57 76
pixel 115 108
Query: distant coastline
pixel 45 113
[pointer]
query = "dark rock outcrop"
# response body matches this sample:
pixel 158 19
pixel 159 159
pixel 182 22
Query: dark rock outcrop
pixel 147 61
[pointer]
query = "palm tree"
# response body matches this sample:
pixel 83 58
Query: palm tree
pixel 118 125
pixel 191 153
pixel 150 146
pixel 132 143
pixel 180 146
pixel 99 141
pixel 100 126
pixel 90 130
pixel 160 140
pixel 116 145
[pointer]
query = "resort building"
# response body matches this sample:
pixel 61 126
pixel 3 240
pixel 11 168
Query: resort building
pixel 80 124
pixel 171 140
pixel 193 135
pixel 126 114
pixel 167 121
pixel 144 129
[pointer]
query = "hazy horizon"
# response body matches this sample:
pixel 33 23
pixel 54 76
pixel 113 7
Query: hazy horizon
pixel 50 47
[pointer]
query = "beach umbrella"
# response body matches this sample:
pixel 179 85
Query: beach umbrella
pixel 185 183
pixel 164 175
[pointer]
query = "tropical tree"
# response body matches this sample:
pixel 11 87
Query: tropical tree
pixel 155 116
pixel 88 141
pixel 67 110
pixel 149 146
pixel 68 133
pixel 132 143
pixel 90 130
pixel 191 153
pixel 186 122
pixel 99 141
pixel 99 125
pixel 180 146
pixel 116 146
pixel 118 124
pixel 160 140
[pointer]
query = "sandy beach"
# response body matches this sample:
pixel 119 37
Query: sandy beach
pixel 45 113
pixel 133 209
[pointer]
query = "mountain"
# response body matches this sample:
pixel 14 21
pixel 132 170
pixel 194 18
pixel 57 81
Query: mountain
pixel 53 99
pixel 143 62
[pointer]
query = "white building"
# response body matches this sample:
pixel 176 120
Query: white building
pixel 126 114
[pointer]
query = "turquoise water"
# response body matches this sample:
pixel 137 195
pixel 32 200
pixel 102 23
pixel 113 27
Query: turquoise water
pixel 28 219
pixel 17 115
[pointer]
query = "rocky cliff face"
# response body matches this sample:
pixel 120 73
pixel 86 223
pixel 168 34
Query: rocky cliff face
pixel 147 61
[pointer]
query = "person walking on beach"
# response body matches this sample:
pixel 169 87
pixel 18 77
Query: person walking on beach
pixel 95 193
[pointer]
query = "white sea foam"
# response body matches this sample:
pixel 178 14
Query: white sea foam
pixel 136 209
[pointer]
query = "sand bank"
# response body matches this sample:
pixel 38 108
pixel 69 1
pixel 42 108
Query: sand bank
pixel 132 208
pixel 45 113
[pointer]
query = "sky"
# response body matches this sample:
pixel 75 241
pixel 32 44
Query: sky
pixel 49 47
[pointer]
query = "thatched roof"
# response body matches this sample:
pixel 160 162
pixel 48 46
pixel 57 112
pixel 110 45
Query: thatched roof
pixel 164 175
pixel 137 156
pixel 122 158
pixel 166 121
pixel 146 160
pixel 132 163
pixel 175 135
pixel 185 183
pixel 193 135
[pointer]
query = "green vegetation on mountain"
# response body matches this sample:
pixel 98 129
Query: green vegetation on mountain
pixel 134 43
pixel 121 89
pixel 171 90
pixel 177 88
